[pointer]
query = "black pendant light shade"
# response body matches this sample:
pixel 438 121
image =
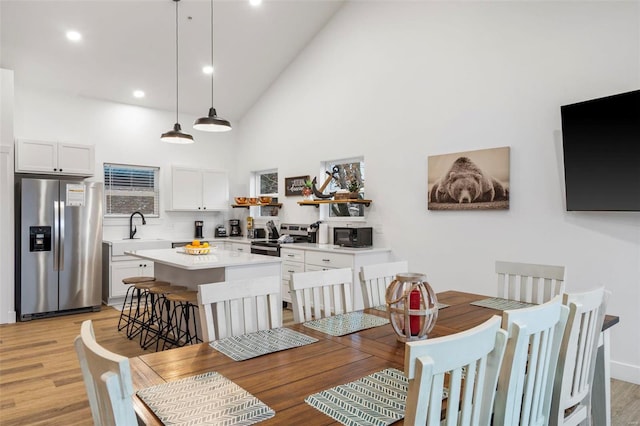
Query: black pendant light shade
pixel 212 123
pixel 176 135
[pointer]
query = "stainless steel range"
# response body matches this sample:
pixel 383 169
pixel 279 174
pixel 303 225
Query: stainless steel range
pixel 289 233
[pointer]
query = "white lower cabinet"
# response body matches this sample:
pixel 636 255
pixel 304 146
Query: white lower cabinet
pixel 116 267
pixel 129 268
pixel 318 260
pixel 242 247
pixel 292 262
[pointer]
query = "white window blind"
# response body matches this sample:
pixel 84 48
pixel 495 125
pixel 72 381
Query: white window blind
pixel 131 188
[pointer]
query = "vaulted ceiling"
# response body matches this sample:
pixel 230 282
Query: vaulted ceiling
pixel 130 44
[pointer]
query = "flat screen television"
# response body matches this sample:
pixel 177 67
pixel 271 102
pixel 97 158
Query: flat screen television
pixel 601 145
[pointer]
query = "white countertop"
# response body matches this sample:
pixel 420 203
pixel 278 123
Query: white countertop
pixel 217 258
pixel 334 249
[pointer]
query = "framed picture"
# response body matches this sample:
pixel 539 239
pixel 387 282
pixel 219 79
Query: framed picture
pixel 469 180
pixel 294 185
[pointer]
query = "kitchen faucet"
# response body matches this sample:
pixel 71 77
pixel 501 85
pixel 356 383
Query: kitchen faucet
pixel 132 228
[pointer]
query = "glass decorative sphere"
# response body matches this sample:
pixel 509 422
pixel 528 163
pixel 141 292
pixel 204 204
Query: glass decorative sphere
pixel 412 306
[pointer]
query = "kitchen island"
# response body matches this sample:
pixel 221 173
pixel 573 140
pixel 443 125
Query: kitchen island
pixel 179 268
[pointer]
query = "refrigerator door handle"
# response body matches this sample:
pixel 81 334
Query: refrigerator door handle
pixel 61 246
pixel 56 233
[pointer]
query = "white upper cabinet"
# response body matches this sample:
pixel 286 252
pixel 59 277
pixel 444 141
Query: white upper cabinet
pixel 199 189
pixel 56 158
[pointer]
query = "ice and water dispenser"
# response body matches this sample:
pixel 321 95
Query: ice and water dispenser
pixel 39 238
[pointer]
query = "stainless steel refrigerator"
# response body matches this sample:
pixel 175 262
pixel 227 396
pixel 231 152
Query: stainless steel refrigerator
pixel 58 247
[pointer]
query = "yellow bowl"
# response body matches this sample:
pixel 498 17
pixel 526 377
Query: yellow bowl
pixel 241 200
pixel 253 200
pixel 265 200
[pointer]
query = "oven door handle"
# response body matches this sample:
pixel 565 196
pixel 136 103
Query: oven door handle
pixel 264 248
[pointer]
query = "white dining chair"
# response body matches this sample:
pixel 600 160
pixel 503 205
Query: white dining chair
pixel 526 379
pixel 233 308
pixel 471 360
pixel 320 294
pixel 571 401
pixel 107 378
pixel 374 280
pixel 527 282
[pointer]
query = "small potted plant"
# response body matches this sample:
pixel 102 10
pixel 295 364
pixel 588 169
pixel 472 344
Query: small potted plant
pixel 307 192
pixel 354 189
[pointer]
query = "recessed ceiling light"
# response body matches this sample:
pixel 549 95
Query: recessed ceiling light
pixel 74 36
pixel 207 69
pixel 138 93
pixel 255 2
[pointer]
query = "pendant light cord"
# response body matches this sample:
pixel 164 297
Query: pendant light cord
pixel 212 67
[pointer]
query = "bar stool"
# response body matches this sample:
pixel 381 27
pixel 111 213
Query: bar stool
pixel 183 319
pixel 142 314
pixel 125 317
pixel 155 323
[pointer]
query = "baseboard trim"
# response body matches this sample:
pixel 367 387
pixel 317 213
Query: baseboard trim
pixel 627 372
pixel 8 318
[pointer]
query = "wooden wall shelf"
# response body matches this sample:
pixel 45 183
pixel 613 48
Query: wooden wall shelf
pixel 318 202
pixel 246 206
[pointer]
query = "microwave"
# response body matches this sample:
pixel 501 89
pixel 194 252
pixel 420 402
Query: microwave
pixel 353 236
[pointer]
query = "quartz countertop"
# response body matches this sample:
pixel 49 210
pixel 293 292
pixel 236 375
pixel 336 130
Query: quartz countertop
pixel 216 258
pixel 330 248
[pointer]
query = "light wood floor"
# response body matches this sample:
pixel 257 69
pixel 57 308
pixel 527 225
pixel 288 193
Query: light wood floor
pixel 41 383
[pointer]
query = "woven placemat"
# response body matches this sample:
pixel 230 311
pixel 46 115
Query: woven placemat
pixel 501 304
pixel 377 399
pixel 339 325
pixel 208 398
pixel 246 346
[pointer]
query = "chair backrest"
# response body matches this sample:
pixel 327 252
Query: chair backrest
pixel 576 364
pixel 375 279
pixel 472 360
pixel 107 378
pixel 233 308
pixel 528 370
pixel 319 294
pixel 527 282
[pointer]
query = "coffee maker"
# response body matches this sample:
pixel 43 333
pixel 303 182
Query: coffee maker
pixel 235 228
pixel 199 226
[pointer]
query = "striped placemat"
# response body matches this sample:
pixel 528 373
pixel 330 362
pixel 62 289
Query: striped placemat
pixel 339 325
pixel 208 398
pixel 376 399
pixel 261 342
pixel 501 304
pixel 384 307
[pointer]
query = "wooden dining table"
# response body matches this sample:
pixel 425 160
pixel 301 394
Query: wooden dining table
pixel 282 380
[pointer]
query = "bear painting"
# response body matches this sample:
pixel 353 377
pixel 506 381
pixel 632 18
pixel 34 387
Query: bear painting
pixel 459 182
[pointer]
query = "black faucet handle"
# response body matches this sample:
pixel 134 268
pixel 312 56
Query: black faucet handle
pixel 133 231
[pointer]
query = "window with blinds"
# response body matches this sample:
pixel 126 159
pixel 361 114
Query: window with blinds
pixel 267 186
pixel 131 188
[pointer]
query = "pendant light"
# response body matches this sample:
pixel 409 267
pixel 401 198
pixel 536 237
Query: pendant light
pixel 212 123
pixel 176 135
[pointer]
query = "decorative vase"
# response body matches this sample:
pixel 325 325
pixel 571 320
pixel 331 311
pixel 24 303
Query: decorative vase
pixel 307 193
pixel 412 306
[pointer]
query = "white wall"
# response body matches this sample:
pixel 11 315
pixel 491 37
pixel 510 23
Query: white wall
pixel 130 135
pixel 7 310
pixel 398 81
